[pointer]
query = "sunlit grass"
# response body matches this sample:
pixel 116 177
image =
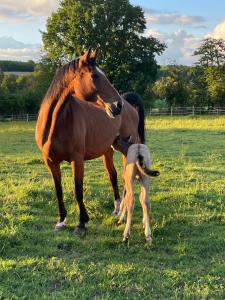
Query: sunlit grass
pixel 186 260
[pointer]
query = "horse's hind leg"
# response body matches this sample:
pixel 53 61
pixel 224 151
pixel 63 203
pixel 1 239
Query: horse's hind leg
pixel 112 174
pixel 56 175
pixel 78 173
pixel 144 198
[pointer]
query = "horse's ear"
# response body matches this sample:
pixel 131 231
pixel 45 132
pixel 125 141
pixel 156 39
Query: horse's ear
pixel 85 57
pixel 94 54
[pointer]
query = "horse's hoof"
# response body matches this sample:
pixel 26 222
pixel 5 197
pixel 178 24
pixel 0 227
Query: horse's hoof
pixel 126 240
pixel 60 226
pixel 148 242
pixel 118 223
pixel 80 230
pixel 117 207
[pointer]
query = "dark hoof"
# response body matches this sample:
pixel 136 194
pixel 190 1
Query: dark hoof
pixel 80 230
pixel 118 223
pixel 126 240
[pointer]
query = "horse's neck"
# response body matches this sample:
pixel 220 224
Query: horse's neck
pixel 48 115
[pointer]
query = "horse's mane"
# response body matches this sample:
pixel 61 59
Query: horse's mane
pixel 60 81
pixel 135 100
pixel 58 90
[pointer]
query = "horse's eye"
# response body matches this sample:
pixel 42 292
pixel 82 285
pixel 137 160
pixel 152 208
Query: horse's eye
pixel 95 76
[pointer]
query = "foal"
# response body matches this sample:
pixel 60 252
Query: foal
pixel 137 165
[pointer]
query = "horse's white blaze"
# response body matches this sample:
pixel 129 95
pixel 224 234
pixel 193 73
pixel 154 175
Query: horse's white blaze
pixel 100 71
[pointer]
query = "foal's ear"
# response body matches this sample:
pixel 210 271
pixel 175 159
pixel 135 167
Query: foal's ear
pixel 85 58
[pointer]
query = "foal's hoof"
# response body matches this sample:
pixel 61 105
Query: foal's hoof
pixel 60 226
pixel 80 230
pixel 126 240
pixel 118 223
pixel 148 242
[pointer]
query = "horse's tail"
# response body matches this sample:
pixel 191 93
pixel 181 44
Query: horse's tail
pixel 143 169
pixel 135 100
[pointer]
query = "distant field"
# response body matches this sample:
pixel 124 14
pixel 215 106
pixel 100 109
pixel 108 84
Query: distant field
pixel 186 260
pixel 18 73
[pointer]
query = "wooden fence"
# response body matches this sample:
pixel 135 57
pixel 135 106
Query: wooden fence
pixel 172 111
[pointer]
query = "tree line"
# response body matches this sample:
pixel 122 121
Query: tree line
pixel 127 56
pixel 18 66
pixel 199 85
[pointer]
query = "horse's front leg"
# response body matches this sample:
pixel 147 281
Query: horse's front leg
pixel 56 175
pixel 112 174
pixel 78 173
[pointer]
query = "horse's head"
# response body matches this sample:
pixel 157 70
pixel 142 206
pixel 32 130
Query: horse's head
pixel 91 84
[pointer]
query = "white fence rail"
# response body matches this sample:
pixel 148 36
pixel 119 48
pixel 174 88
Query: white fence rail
pixel 172 111
pixel 24 117
pixel 185 111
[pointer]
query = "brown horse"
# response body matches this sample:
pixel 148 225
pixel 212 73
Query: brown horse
pixel 71 128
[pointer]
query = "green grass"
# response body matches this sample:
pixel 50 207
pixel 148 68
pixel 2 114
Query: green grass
pixel 186 259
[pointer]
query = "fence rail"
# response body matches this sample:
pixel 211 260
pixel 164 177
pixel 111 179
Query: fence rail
pixel 172 111
pixel 185 111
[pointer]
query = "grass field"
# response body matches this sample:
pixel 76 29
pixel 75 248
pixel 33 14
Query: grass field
pixel 186 259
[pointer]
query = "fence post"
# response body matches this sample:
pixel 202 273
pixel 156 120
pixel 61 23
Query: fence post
pixel 193 110
pixel 27 118
pixel 171 110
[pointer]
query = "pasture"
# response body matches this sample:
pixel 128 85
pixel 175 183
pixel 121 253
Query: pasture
pixel 186 259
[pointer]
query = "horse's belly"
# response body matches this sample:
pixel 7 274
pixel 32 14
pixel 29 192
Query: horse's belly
pixel 95 152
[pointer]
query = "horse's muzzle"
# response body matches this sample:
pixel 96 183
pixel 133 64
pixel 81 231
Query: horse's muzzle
pixel 114 109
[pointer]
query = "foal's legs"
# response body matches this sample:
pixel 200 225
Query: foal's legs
pixel 56 175
pixel 78 173
pixel 129 199
pixel 144 198
pixel 112 174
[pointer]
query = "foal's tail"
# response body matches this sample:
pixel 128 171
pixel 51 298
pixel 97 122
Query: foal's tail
pixel 136 101
pixel 143 169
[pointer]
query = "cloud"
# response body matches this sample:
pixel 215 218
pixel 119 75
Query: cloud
pixel 180 46
pixel 24 54
pixel 219 31
pixel 159 17
pixel 26 10
pixel 11 49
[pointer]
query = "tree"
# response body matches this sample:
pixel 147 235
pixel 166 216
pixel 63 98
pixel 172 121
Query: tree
pixel 127 57
pixel 211 52
pixel 215 79
pixel 172 88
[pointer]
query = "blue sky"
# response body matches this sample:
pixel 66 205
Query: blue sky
pixel 180 24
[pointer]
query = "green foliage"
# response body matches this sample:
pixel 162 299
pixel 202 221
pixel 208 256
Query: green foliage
pixel 186 260
pixel 127 57
pixel 23 93
pixel 19 66
pixel 215 79
pixel 172 88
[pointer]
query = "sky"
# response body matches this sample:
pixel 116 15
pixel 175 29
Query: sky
pixel 181 24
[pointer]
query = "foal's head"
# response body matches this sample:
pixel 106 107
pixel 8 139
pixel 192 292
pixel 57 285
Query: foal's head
pixel 122 144
pixel 91 84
